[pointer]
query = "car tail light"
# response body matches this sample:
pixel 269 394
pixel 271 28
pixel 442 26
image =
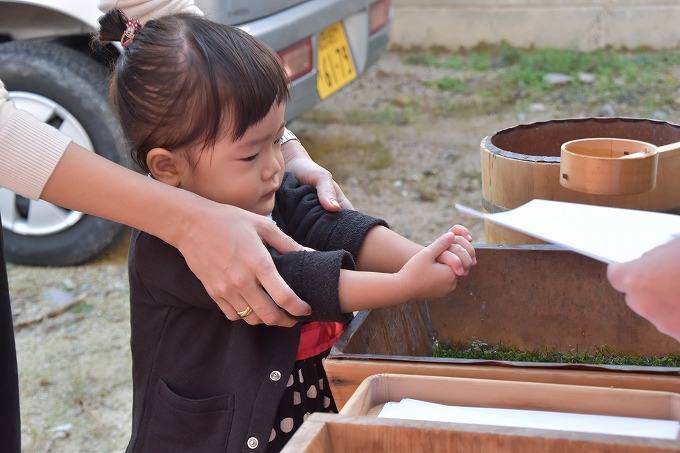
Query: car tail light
pixel 378 15
pixel 297 59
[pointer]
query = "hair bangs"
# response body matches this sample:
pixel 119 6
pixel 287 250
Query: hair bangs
pixel 186 82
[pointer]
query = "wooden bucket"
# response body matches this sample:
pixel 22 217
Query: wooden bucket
pixel 522 163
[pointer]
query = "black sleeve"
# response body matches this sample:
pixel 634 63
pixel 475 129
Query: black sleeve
pixel 315 278
pixel 306 221
pixel 336 237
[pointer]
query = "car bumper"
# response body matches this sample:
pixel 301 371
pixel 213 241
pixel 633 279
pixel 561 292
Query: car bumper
pixel 305 21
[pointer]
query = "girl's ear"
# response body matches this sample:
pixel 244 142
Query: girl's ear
pixel 165 166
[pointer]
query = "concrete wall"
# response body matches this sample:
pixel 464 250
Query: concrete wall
pixel 577 24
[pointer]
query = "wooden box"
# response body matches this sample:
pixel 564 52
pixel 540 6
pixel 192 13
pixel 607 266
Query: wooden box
pixel 356 429
pixel 531 297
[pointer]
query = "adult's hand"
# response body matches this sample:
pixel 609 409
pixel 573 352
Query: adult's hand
pixel 651 285
pixel 225 250
pixel 309 172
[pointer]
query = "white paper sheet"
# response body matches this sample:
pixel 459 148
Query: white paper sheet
pixel 603 233
pixel 411 409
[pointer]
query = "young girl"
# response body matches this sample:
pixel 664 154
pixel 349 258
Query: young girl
pixel 202 105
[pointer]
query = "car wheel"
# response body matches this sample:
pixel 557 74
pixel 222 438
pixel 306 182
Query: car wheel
pixel 67 90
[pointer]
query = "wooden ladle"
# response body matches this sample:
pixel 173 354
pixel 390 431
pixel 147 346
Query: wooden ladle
pixel 611 166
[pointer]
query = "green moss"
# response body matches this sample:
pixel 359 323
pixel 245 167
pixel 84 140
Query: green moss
pixel 603 355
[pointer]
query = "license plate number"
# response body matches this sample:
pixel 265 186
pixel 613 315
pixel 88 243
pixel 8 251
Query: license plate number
pixel 335 62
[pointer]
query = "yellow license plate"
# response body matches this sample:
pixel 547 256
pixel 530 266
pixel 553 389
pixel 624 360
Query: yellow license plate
pixel 335 62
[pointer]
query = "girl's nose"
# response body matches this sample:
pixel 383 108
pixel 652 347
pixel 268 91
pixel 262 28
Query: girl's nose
pixel 274 164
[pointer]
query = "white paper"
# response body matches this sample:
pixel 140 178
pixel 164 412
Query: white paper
pixel 410 409
pixel 603 233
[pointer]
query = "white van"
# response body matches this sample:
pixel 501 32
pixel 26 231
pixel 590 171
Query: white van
pixel 51 70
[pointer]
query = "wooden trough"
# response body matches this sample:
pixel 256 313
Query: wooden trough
pixel 530 297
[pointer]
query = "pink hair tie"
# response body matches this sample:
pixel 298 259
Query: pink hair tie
pixel 129 33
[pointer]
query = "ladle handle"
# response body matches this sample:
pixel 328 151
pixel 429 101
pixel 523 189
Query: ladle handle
pixel 669 148
pixel 645 152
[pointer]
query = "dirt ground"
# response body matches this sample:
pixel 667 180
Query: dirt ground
pixel 394 159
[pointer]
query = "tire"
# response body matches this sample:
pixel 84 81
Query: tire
pixel 68 90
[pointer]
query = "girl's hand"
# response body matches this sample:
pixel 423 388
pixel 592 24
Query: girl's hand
pixel 461 255
pixel 423 276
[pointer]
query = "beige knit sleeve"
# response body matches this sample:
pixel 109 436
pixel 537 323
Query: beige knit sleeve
pixel 145 10
pixel 29 149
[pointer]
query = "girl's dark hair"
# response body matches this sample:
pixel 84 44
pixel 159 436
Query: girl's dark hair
pixel 184 80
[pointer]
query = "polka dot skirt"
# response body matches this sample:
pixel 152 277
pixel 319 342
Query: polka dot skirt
pixel 307 391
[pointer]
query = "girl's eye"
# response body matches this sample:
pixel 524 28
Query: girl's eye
pixel 278 140
pixel 250 158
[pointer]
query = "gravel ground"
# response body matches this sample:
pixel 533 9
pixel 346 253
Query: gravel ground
pixel 395 156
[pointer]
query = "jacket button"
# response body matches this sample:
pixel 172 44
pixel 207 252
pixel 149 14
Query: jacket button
pixel 275 375
pixel 252 443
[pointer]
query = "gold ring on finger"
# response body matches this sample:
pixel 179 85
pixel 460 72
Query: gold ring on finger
pixel 244 313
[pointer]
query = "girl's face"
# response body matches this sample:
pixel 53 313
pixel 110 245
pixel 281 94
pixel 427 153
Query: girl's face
pixel 245 173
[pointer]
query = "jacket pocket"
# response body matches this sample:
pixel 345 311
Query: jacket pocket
pixel 188 425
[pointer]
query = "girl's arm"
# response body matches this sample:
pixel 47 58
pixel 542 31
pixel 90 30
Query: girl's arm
pixel 383 250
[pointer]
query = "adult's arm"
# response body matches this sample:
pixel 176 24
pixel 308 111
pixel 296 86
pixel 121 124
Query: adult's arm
pixel 145 10
pixel 37 161
pixel 222 245
pixel 651 285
